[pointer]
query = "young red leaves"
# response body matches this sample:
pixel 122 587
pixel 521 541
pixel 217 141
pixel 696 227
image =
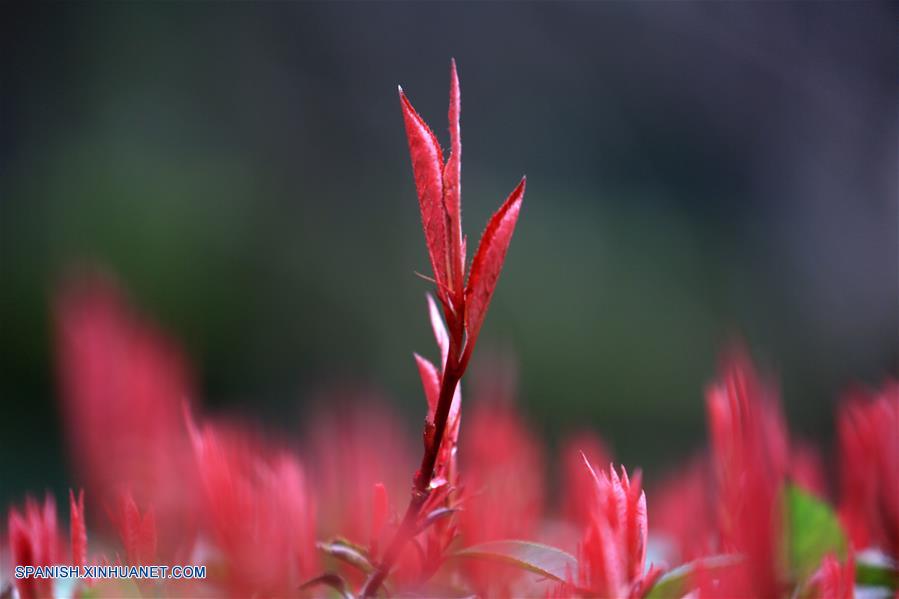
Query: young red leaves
pixel 123 383
pixel 750 463
pixel 34 541
pixel 257 509
pixel 137 531
pixel 439 195
pixel 612 554
pixel 869 468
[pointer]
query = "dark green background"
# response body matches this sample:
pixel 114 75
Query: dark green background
pixel 696 172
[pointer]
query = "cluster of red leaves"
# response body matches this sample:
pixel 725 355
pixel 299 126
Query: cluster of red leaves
pixel 173 490
pixel 179 487
pixel 439 188
pixel 33 538
pixel 868 430
pixel 741 484
pixel 122 388
pixel 612 554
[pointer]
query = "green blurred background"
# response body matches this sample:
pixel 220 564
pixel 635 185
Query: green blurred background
pixel 696 173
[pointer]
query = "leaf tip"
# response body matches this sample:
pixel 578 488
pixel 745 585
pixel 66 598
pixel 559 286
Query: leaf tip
pixel 454 78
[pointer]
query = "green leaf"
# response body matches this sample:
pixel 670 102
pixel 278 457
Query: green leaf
pixel 348 553
pixel 877 574
pixel 676 583
pixel 812 531
pixel 329 579
pixel 544 560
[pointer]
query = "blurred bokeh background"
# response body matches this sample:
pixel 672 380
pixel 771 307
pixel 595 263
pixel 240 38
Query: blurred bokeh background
pixel 697 172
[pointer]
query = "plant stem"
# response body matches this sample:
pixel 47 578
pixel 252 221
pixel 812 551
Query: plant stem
pixel 421 486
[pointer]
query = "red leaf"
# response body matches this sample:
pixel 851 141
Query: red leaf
pixel 427 166
pixel 78 530
pixel 452 186
pixel 488 262
pixel 430 380
pixel 138 532
pixel 636 525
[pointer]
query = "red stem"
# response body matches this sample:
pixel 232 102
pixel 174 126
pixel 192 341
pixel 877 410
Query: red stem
pixel 452 373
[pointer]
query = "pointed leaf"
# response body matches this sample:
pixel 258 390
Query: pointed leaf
pixel 452 184
pixel 812 530
pixel 488 262
pixel 436 515
pixel 335 581
pixel 544 560
pixel 427 166
pixel 138 533
pixel 430 380
pixel 676 583
pixel 347 553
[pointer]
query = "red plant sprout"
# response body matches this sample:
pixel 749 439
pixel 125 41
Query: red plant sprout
pixel 34 540
pixel 867 426
pixel 749 451
pixel 612 554
pixel 258 511
pixel 464 303
pixel 137 531
pixel 123 385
